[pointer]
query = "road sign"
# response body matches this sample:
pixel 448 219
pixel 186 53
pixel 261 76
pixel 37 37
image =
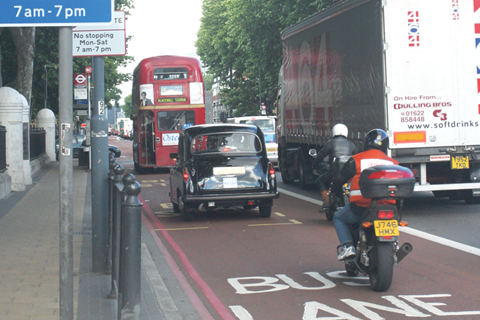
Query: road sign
pixel 88 70
pixel 55 13
pixel 100 40
pixel 79 79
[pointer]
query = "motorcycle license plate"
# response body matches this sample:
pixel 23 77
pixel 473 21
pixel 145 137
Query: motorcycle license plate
pixel 386 228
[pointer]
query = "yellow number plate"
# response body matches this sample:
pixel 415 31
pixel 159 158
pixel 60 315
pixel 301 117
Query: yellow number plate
pixel 384 228
pixel 460 162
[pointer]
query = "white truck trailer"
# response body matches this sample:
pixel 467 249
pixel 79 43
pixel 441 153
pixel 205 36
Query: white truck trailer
pixel 409 67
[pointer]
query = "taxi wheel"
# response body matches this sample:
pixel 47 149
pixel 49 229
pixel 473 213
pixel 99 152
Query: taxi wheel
pixel 184 210
pixel 176 208
pixel 265 212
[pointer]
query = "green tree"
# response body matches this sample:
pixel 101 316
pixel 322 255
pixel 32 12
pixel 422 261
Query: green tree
pixel 239 41
pixel 127 107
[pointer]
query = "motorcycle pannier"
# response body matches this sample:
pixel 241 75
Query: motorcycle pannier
pixel 391 181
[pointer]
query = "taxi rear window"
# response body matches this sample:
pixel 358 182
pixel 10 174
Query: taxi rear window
pixel 227 143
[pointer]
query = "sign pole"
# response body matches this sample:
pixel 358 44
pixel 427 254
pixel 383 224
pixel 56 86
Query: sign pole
pixel 99 172
pixel 65 93
pixel 89 118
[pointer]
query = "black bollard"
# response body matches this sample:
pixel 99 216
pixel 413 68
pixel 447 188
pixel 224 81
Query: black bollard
pixel 116 217
pixel 130 255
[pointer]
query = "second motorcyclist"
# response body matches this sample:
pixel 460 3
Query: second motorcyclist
pixel 340 148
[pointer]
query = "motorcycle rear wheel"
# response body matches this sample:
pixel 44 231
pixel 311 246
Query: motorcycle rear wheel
pixel 381 274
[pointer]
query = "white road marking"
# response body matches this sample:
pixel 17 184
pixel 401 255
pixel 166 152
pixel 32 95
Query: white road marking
pixel 414 232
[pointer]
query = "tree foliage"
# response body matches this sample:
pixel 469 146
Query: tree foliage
pixel 239 41
pixel 13 65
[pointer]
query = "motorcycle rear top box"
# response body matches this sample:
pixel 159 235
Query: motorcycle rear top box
pixel 391 181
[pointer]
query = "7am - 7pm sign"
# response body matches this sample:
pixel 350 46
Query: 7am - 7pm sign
pixel 55 13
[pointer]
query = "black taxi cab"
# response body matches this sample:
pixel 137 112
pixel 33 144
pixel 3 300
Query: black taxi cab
pixel 219 166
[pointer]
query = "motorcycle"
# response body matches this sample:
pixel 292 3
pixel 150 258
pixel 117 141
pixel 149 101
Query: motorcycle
pixel 376 235
pixel 336 201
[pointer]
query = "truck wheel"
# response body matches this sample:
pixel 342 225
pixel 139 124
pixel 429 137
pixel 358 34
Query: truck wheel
pixel 469 198
pixel 286 177
pixel 303 173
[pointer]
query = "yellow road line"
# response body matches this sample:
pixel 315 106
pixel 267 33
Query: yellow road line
pixel 279 214
pixel 149 181
pixel 292 221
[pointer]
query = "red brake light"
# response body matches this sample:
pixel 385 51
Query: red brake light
pixel 271 170
pixel 226 149
pixel 386 214
pixel 185 174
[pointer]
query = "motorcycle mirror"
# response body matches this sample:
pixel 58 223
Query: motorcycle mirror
pixel 312 152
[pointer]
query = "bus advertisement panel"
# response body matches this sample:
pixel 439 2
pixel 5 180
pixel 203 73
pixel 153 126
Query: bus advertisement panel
pixel 167 97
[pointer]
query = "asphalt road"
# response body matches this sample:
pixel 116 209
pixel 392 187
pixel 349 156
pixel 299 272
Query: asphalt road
pixel 233 264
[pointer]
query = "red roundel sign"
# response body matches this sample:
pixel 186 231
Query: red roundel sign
pixel 79 79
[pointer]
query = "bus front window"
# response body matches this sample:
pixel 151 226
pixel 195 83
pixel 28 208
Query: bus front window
pixel 175 120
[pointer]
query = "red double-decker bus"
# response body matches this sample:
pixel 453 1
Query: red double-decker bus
pixel 167 97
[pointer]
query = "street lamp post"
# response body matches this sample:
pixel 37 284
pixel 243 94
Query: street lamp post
pixel 46 88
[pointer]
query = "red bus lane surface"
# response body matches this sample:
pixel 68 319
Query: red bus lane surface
pixel 236 265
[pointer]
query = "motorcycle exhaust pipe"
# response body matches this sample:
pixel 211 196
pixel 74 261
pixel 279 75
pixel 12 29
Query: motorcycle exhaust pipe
pixel 405 249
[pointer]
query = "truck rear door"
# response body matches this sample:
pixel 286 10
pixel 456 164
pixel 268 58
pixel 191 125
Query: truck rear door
pixel 432 72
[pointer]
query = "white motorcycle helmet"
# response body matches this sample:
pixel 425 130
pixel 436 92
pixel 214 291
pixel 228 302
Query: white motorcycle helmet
pixel 340 130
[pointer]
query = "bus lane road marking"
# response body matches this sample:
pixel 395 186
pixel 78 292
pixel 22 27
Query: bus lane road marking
pixel 421 306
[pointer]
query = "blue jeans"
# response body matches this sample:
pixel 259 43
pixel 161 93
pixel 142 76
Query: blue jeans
pixel 342 221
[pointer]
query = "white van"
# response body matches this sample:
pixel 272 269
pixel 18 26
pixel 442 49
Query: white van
pixel 267 124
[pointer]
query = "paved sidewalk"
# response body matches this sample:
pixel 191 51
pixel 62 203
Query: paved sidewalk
pixel 29 251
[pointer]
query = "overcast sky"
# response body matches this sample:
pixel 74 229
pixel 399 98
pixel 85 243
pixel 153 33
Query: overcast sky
pixel 161 27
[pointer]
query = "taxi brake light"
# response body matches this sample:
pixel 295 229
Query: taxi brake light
pixel 185 174
pixel 226 149
pixel 271 170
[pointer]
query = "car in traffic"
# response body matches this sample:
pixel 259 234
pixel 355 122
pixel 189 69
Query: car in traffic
pixel 219 166
pixel 78 145
pixel 77 141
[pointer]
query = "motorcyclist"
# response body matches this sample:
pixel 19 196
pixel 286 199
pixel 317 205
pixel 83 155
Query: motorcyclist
pixel 339 147
pixel 375 147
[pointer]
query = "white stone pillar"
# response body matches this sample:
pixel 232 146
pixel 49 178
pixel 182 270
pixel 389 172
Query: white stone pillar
pixel 11 116
pixel 27 168
pixel 46 120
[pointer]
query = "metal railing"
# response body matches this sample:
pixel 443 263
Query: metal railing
pixel 124 240
pixel 3 149
pixel 37 142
